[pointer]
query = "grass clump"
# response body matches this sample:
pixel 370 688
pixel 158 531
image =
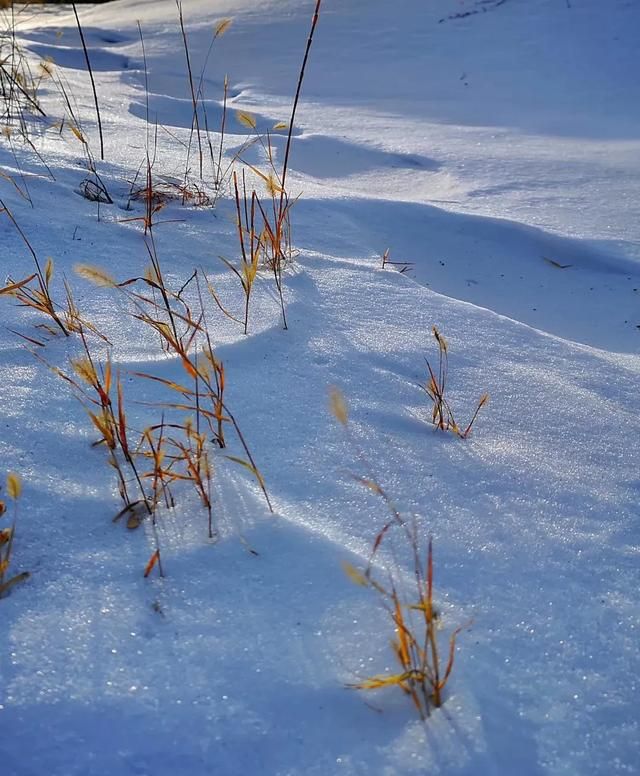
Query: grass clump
pixel 264 220
pixel 423 672
pixel 178 449
pixel 413 616
pixel 7 535
pixel 442 415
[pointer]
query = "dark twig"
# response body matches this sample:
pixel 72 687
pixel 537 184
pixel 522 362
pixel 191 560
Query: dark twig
pixel 93 83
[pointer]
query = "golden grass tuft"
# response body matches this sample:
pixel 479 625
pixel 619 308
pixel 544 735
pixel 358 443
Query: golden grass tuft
pixel 221 27
pixel 423 673
pixel 95 275
pixel 338 406
pixel 246 119
pixel 170 451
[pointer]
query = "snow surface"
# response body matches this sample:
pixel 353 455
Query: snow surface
pixel 482 149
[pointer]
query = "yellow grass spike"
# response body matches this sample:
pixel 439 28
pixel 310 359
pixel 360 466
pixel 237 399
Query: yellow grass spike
pixel 78 134
pixel 260 174
pixel 249 467
pixel 375 682
pixel 273 187
pixel 46 67
pixel 169 383
pixel 48 270
pixel 401 630
pixel 354 575
pixel 221 27
pixel 442 342
pixel 338 406
pixel 250 270
pixel 94 275
pixel 85 370
pixel 107 377
pixel 372 485
pixel 483 400
pixel 14 485
pixel 281 125
pixel 246 119
pixel 163 329
pixel 104 426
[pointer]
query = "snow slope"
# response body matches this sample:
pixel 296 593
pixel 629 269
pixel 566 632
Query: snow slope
pixel 488 150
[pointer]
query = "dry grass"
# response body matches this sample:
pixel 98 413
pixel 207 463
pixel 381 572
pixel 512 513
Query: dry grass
pixel 34 292
pixel 99 388
pixel 179 451
pixel 264 228
pixel 264 222
pixel 402 266
pixel 93 186
pixel 19 82
pixel 193 421
pixel 93 83
pixel 199 117
pixel 7 536
pixel 22 112
pixel 414 618
pixel 423 672
pixel 251 245
pixel 160 193
pixel 442 415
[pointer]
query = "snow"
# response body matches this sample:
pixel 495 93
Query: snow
pixel 489 151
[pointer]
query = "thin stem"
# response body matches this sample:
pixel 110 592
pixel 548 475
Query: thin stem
pixel 314 22
pixel 194 98
pixel 93 83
